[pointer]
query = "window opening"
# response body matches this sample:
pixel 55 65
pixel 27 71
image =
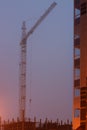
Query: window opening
pixel 83 8
pixel 77 113
pixel 77 92
pixel 77 13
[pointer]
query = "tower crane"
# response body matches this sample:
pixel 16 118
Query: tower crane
pixel 22 67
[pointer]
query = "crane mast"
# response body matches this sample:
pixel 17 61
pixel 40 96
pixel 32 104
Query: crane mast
pixel 22 76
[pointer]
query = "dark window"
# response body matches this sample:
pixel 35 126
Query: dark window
pixel 82 126
pixel 77 2
pixel 77 82
pixel 77 20
pixel 83 93
pixel 77 42
pixel 83 97
pixel 77 63
pixel 83 103
pixel 83 89
pixel 83 114
pixel 83 8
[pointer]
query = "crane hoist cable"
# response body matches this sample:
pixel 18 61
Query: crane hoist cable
pixel 30 79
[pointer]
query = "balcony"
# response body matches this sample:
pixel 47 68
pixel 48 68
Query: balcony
pixel 77 42
pixel 77 83
pixel 77 3
pixel 83 93
pixel 77 63
pixel 77 21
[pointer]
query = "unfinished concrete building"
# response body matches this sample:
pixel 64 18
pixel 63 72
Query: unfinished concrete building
pixel 80 65
pixel 35 125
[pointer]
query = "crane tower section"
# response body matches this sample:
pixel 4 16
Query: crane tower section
pixel 23 44
pixel 22 97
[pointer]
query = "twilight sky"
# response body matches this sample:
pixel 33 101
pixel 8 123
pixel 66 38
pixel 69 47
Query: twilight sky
pixel 52 54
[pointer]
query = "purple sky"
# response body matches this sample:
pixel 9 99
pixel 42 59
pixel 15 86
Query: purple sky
pixel 52 58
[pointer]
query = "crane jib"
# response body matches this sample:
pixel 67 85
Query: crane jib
pixel 41 19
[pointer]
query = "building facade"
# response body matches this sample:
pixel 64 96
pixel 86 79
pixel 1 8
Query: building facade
pixel 80 65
